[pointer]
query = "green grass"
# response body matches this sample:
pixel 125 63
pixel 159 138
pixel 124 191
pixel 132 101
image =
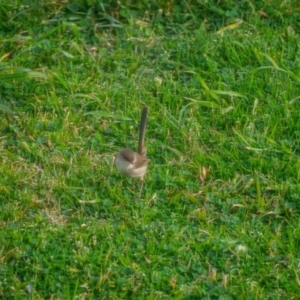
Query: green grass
pixel 219 215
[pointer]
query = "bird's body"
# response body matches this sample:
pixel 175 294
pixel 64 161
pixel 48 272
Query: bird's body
pixel 131 164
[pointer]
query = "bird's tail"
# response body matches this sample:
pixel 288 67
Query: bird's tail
pixel 141 149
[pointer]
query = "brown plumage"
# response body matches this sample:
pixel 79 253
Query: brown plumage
pixel 134 164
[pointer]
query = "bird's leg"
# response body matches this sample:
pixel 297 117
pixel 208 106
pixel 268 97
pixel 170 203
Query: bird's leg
pixel 141 187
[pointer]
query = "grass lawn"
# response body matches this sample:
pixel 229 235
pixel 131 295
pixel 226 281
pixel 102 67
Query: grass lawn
pixel 219 214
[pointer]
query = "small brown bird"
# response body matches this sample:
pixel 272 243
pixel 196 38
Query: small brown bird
pixel 134 164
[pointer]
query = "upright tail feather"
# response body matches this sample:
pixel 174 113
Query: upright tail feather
pixel 141 149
